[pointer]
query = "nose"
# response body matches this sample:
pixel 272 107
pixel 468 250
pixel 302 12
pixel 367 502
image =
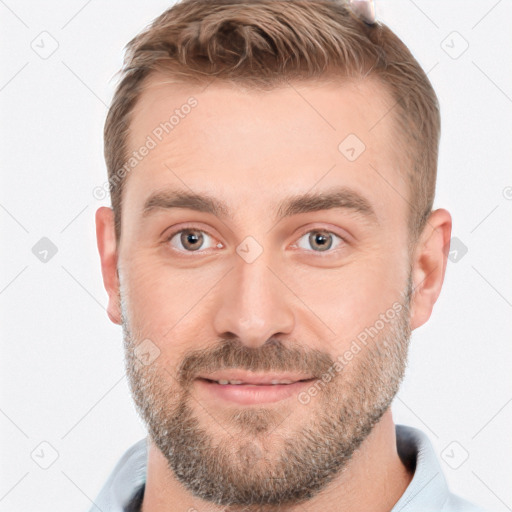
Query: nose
pixel 253 305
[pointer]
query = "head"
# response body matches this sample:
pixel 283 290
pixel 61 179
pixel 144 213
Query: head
pixel 240 136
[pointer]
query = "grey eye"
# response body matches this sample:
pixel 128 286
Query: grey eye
pixel 320 240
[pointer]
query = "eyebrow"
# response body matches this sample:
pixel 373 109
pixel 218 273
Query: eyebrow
pixel 339 197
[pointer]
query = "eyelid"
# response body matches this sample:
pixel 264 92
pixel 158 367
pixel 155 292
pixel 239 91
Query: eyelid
pixel 327 229
pixel 346 238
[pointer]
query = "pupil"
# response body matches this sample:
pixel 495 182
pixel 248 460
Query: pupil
pixel 321 239
pixel 191 238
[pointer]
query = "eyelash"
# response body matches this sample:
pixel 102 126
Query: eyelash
pixel 328 252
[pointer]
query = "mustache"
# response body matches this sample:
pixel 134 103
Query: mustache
pixel 272 356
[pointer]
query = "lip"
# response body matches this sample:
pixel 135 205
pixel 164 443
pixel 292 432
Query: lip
pixel 250 393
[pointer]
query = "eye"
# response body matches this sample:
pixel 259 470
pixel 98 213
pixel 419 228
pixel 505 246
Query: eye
pixel 321 240
pixel 191 240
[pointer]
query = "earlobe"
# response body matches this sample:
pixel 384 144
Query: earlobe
pixel 429 265
pixel 107 247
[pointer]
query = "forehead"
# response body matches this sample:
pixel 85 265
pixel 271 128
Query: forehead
pixel 235 141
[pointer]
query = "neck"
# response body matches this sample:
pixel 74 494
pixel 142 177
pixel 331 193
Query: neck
pixel 374 479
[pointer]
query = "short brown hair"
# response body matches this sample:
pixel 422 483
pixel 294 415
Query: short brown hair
pixel 263 44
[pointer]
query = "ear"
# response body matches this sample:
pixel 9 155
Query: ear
pixel 429 265
pixel 107 247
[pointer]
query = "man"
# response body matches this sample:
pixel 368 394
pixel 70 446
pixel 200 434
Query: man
pixel 241 135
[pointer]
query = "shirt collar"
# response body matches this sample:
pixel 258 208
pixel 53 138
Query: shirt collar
pixel 427 491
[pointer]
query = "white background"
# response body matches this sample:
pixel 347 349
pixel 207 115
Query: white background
pixel 62 363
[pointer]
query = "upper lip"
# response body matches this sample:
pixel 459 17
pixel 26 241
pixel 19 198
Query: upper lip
pixel 254 378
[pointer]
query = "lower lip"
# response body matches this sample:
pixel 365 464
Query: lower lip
pixel 247 394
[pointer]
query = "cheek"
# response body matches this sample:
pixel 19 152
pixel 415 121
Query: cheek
pixel 351 298
pixel 142 287
pixel 164 301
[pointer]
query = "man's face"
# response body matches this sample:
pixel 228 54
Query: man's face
pixel 259 290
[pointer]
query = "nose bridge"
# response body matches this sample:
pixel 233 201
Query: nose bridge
pixel 253 306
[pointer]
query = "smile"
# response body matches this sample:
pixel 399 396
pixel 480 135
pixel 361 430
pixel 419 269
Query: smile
pixel 242 392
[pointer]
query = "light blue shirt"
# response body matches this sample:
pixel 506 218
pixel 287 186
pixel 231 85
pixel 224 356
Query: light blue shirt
pixel 427 492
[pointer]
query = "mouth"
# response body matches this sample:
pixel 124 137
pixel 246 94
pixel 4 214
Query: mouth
pixel 245 388
pixel 235 382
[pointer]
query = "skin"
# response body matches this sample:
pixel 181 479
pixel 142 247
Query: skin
pixel 253 149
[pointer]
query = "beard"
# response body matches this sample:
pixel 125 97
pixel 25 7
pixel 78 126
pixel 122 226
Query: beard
pixel 262 462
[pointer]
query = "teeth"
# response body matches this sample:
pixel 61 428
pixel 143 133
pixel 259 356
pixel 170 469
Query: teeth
pixel 223 382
